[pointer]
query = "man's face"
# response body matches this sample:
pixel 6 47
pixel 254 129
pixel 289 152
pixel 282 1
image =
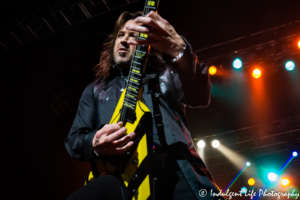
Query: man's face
pixel 123 52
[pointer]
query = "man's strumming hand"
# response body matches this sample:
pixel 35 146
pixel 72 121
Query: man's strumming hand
pixel 111 139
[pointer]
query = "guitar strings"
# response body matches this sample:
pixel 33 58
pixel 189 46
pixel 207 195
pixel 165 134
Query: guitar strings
pixel 133 64
pixel 124 108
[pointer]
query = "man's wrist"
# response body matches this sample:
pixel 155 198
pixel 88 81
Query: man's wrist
pixel 179 55
pixel 184 66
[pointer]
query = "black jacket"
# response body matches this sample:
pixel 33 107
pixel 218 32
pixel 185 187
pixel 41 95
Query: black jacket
pixel 99 100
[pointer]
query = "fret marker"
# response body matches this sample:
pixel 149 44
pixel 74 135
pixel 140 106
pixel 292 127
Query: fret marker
pixel 151 3
pixel 134 80
pixel 132 88
pixel 144 35
pixel 136 71
pixel 128 105
pixel 130 96
pixel 139 55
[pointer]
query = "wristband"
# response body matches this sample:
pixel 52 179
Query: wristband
pixel 178 56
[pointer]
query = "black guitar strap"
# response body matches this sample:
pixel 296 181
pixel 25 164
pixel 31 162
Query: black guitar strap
pixel 154 90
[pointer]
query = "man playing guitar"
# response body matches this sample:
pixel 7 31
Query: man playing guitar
pixel 172 80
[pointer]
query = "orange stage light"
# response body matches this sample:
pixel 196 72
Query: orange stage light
pixel 256 73
pixel 251 181
pixel 285 181
pixel 212 70
pixel 299 44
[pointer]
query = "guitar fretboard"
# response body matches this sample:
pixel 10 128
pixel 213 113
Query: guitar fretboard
pixel 138 64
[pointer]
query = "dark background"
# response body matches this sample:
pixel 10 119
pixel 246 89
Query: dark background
pixel 38 164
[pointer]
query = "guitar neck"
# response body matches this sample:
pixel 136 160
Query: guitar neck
pixel 150 6
pixel 138 63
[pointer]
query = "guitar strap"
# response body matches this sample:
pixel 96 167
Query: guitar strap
pixel 154 90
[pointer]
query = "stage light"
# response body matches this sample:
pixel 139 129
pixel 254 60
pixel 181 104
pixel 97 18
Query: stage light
pixel 294 154
pixel 201 144
pixel 215 143
pixel 289 65
pixel 248 164
pixel 299 44
pixel 256 73
pixel 272 176
pixel 212 70
pixel 237 63
pixel 251 181
pixel 243 190
pixel 285 181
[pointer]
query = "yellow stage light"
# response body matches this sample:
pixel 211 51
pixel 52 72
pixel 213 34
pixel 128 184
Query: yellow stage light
pixel 212 70
pixel 256 73
pixel 285 181
pixel 251 181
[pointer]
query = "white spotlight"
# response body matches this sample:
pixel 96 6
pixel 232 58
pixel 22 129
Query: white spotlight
pixel 237 63
pixel 295 153
pixel 201 144
pixel 215 143
pixel 272 176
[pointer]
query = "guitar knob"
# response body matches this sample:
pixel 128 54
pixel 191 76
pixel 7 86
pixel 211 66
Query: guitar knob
pixel 135 177
pixel 135 161
pixel 134 192
pixel 128 154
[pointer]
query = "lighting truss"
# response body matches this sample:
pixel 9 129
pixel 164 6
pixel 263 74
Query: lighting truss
pixel 269 44
pixel 66 101
pixel 44 22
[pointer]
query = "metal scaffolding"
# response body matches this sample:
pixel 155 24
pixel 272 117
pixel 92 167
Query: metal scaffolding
pixel 270 44
pixel 67 100
pixel 44 22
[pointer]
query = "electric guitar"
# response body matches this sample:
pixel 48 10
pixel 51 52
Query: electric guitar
pixel 134 167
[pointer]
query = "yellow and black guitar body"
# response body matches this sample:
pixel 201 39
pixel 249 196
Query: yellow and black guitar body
pixel 137 170
pixel 134 167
